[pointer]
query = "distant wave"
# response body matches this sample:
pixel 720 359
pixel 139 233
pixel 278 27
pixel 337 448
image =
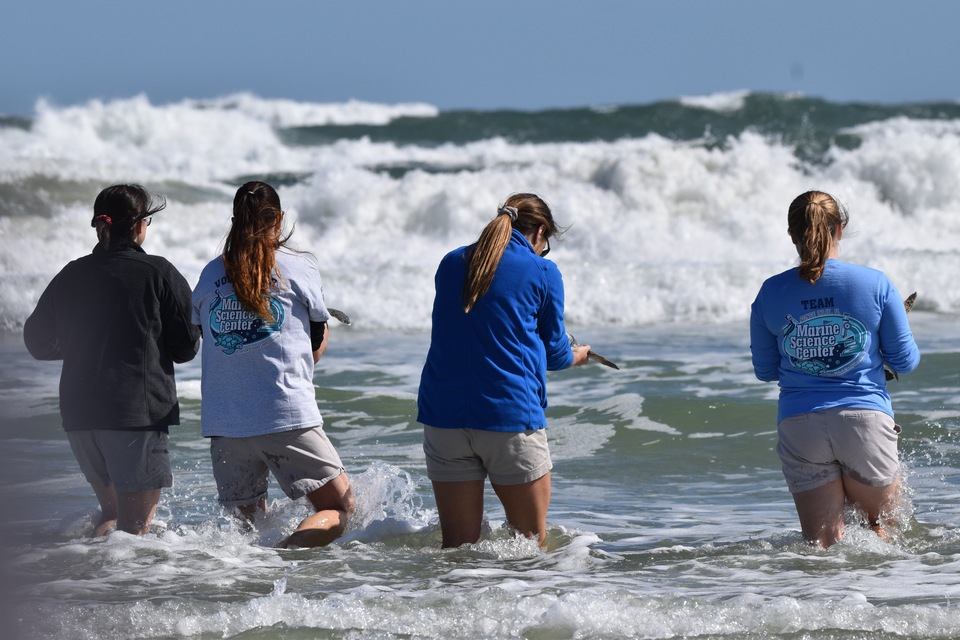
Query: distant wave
pixel 289 113
pixel 727 101
pixel 676 210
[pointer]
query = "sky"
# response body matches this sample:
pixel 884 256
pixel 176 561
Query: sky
pixel 483 54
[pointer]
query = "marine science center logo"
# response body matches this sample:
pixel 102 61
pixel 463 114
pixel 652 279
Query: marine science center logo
pixel 825 342
pixel 233 327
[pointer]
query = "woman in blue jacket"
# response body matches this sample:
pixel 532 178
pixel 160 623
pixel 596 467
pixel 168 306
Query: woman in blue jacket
pixel 497 328
pixel 824 330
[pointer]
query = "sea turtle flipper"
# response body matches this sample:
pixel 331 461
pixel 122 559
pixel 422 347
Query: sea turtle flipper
pixel 590 354
pixel 340 315
pixel 599 358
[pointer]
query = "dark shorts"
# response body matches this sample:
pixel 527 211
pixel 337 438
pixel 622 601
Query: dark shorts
pixel 129 460
pixel 460 455
pixel 816 448
pixel 302 461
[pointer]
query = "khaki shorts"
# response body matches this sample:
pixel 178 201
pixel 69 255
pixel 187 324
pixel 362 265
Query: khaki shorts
pixel 129 460
pixel 816 448
pixel 461 455
pixel 302 461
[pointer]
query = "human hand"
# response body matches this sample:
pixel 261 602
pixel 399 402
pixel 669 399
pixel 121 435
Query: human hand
pixel 580 354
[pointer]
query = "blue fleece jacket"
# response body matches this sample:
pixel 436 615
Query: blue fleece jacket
pixel 487 369
pixel 826 342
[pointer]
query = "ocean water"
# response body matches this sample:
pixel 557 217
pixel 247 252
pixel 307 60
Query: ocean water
pixel 669 516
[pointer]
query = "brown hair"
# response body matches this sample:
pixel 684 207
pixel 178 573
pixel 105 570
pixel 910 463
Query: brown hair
pixel 812 222
pixel 118 209
pixel 484 256
pixel 250 251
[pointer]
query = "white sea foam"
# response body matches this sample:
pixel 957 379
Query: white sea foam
pixel 661 231
pixel 724 101
pixel 289 113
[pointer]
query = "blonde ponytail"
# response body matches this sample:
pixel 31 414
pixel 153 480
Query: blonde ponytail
pixel 812 221
pixel 525 212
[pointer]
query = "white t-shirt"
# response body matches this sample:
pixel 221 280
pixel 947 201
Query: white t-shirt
pixel 257 376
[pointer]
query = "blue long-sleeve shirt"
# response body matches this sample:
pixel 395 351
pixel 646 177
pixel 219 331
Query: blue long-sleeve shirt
pixel 487 369
pixel 826 343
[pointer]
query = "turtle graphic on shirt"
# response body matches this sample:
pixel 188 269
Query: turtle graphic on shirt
pixel 229 342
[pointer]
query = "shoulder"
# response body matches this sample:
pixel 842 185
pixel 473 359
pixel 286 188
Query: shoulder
pixel 166 275
pixel 459 252
pixel 854 269
pixel 157 262
pixel 860 275
pixel 212 271
pixel 784 277
pixel 297 261
pixel 781 283
pixel 456 257
pixel 215 265
pixel 75 266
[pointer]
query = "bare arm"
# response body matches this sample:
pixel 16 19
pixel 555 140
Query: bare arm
pixel 319 332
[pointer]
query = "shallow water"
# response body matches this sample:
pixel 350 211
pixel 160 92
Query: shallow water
pixel 669 515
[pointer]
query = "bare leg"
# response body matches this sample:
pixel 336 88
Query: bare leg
pixel 135 510
pixel 526 506
pixel 821 513
pixel 335 504
pixel 247 512
pixel 107 497
pixel 131 512
pixel 460 506
pixel 878 503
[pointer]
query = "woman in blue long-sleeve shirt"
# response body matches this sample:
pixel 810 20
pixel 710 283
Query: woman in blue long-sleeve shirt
pixel 824 330
pixel 497 328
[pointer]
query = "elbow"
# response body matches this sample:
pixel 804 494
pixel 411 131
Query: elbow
pixel 908 366
pixel 766 375
pixel 185 354
pixel 904 362
pixel 47 352
pixel 913 364
pixel 561 361
pixel 42 349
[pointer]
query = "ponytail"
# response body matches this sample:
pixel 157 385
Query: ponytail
pixel 485 257
pixel 812 221
pixel 250 250
pixel 524 212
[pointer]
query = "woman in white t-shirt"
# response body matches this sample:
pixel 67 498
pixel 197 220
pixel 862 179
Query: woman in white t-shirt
pixel 260 307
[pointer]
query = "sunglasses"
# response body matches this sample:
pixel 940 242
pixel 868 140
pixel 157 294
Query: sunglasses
pixel 544 253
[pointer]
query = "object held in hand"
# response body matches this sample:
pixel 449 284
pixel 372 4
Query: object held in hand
pixel 339 315
pixel 590 354
pixel 907 305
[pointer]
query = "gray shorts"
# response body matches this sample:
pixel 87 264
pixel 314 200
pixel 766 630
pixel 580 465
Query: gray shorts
pixel 302 461
pixel 816 448
pixel 129 460
pixel 460 455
